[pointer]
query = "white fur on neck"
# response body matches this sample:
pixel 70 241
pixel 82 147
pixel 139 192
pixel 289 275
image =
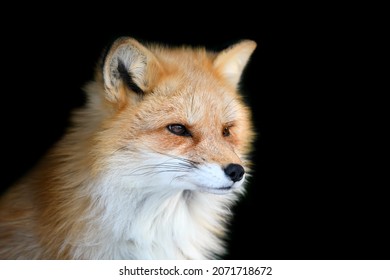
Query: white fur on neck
pixel 150 223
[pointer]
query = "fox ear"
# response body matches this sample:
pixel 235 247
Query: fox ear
pixel 128 67
pixel 232 61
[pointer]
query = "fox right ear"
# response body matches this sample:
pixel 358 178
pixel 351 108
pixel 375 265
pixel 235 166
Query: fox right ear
pixel 129 67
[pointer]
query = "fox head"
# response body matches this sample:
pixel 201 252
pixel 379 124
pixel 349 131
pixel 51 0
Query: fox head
pixel 171 116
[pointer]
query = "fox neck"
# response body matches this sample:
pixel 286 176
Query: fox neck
pixel 145 223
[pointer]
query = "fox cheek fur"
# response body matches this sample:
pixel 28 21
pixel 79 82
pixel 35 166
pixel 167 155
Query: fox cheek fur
pixel 150 166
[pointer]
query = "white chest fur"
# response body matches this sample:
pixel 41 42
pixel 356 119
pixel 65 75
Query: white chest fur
pixel 145 223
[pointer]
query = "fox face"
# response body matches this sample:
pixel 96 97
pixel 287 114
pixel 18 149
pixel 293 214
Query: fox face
pixel 175 117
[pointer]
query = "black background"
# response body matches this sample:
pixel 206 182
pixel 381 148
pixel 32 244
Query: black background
pixel 307 198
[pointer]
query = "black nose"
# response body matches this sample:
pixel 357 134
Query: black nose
pixel 234 172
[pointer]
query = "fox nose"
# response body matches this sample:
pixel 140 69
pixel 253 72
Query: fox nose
pixel 234 171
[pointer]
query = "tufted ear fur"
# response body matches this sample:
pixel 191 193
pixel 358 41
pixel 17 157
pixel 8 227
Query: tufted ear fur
pixel 129 68
pixel 232 61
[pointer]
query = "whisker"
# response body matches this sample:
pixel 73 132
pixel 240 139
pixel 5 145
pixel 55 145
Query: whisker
pixel 180 164
pixel 152 169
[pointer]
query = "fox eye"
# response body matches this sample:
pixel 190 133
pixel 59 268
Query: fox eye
pixel 179 130
pixel 226 131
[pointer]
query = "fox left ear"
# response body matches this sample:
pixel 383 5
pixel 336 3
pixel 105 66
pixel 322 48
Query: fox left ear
pixel 232 61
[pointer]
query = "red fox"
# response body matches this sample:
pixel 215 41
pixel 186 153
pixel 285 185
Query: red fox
pixel 150 166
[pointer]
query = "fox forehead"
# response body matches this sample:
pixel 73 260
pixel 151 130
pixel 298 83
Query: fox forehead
pixel 190 91
pixel 190 101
